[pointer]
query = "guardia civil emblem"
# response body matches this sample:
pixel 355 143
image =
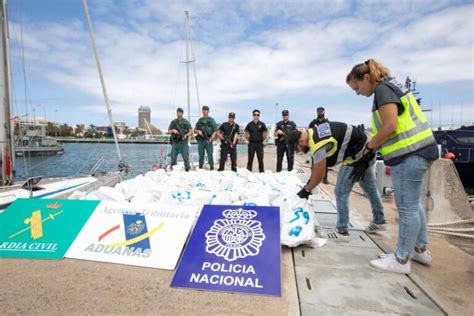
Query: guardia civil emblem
pixel 236 236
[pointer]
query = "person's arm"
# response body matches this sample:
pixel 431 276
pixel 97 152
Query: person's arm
pixel 318 171
pixel 171 129
pixel 388 115
pixel 278 131
pixel 236 138
pixel 190 132
pixel 247 133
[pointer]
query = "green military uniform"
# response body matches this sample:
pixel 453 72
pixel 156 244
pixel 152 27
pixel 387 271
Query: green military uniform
pixel 207 125
pixel 179 144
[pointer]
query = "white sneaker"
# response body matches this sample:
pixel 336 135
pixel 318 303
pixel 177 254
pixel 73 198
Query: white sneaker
pixel 389 263
pixel 424 257
pixel 375 228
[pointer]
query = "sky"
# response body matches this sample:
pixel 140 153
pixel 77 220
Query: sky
pixel 258 54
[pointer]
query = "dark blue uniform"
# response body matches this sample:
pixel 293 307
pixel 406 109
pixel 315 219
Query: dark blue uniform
pixel 282 146
pixel 256 131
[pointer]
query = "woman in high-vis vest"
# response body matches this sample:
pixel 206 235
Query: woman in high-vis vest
pixel 404 138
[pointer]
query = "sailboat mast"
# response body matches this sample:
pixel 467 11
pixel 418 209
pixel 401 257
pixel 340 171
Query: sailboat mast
pixel 102 81
pixel 7 153
pixel 186 26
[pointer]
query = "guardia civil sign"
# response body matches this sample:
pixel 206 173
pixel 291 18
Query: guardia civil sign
pixel 234 249
pixel 40 228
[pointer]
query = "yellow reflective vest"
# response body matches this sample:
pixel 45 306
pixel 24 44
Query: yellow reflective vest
pixel 413 131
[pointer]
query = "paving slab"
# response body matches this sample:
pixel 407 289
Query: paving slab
pixel 71 286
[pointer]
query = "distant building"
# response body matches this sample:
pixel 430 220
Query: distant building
pixel 120 125
pixel 144 114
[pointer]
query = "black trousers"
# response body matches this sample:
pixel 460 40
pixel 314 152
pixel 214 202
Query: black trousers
pixel 225 150
pixel 258 148
pixel 290 156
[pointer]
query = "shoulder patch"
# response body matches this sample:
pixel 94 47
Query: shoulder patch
pixel 324 130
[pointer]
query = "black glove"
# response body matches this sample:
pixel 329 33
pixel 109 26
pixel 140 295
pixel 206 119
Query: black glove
pixel 304 194
pixel 360 166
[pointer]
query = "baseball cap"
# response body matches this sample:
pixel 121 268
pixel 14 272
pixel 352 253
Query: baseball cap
pixel 320 109
pixel 232 114
pixel 285 112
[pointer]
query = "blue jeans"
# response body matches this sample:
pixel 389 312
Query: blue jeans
pixel 343 189
pixel 407 178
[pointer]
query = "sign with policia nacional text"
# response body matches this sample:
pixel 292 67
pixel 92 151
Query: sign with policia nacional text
pixel 153 236
pixel 40 228
pixel 233 249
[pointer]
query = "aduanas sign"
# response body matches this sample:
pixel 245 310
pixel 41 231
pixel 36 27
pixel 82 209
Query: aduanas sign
pixel 235 249
pixel 43 229
pixel 151 236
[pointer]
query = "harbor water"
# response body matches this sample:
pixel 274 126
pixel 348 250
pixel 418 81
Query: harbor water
pixel 79 158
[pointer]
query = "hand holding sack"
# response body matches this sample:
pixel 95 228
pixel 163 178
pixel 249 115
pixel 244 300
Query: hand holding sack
pixel 304 194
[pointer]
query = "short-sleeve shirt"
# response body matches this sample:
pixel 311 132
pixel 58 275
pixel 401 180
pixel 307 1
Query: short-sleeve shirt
pixel 286 127
pixel 207 125
pixel 182 125
pixel 256 131
pixel 228 131
pixel 383 95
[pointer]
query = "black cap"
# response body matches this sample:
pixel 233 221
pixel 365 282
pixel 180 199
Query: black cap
pixel 180 110
pixel 232 114
pixel 285 112
pixel 293 138
pixel 205 108
pixel 258 111
pixel 320 109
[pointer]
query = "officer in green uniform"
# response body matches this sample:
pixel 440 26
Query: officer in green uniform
pixel 180 129
pixel 205 130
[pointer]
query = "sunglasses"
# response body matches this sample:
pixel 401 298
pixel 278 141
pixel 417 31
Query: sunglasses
pixel 256 115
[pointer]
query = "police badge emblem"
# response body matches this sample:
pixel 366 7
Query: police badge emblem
pixel 236 236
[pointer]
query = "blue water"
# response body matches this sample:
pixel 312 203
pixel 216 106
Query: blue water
pixel 79 159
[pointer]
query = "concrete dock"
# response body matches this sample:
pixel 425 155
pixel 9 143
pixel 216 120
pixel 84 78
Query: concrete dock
pixel 334 279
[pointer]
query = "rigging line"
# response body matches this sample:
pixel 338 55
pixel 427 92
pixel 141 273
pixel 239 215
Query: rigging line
pixel 21 53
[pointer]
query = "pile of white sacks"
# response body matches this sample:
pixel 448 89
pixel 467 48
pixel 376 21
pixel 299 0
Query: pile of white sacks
pixel 197 188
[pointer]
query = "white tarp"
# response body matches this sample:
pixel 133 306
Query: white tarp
pixel 151 236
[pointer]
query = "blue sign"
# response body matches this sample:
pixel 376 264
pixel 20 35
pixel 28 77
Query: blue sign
pixel 233 248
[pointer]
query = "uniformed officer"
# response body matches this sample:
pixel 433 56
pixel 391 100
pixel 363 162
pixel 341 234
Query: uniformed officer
pixel 282 130
pixel 256 133
pixel 205 130
pixel 229 134
pixel 320 118
pixel 180 129
pixel 333 143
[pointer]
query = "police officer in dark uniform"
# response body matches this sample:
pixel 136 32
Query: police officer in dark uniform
pixel 255 133
pixel 180 129
pixel 282 131
pixel 229 135
pixel 320 118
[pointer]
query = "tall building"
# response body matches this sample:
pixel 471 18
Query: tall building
pixel 144 113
